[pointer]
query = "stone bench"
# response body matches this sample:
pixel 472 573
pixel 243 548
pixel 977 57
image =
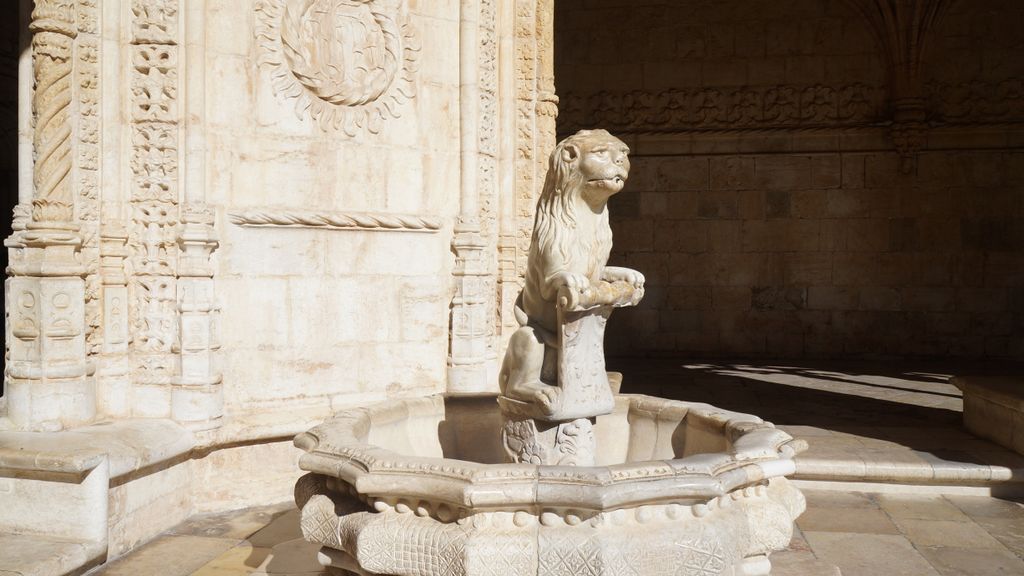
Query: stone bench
pixel 994 408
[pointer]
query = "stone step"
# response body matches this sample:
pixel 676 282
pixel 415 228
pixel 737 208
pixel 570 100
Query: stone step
pixel 938 457
pixel 35 555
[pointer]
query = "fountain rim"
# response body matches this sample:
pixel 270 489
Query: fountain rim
pixel 760 452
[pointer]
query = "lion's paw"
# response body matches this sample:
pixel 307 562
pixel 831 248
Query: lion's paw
pixel 628 275
pixel 547 396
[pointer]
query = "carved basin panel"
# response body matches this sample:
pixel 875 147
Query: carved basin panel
pixel 419 487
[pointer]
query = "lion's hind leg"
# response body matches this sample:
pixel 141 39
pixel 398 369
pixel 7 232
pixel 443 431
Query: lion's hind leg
pixel 521 369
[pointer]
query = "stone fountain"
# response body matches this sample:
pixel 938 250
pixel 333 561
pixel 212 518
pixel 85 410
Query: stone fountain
pixel 558 475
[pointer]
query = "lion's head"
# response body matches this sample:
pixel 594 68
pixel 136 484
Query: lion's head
pixel 584 170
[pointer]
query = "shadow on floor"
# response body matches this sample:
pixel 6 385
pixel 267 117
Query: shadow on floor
pixel 884 401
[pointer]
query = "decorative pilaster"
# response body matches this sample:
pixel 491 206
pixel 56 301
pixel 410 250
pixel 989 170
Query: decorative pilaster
pixel 488 141
pixel 197 397
pixel 49 384
pixel 197 400
pixel 509 285
pixel 507 275
pixel 470 363
pixel 153 235
pixel 87 162
pixel 536 112
pixel 113 373
pixel 547 100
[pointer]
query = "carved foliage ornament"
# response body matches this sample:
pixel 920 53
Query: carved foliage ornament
pixel 348 63
pixel 680 110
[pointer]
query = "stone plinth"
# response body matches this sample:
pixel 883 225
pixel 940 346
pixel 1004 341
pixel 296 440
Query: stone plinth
pixel 994 409
pixel 561 432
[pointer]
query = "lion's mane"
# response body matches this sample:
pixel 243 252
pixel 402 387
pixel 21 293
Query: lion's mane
pixel 556 221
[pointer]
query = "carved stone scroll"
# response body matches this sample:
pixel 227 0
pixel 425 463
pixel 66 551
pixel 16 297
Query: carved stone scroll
pixel 286 218
pixel 349 64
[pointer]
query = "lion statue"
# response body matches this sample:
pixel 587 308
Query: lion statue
pixel 568 253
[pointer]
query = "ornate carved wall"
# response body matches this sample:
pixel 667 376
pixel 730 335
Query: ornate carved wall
pixel 294 209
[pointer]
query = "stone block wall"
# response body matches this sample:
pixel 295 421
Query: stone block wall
pixel 768 205
pixel 824 254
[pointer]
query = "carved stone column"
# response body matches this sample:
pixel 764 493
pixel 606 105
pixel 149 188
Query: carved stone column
pixel 49 382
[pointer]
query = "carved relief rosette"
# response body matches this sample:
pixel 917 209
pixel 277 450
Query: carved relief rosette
pixel 349 64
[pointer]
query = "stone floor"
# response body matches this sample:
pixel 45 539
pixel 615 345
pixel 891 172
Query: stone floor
pixel 908 535
pixel 264 540
pixel 862 534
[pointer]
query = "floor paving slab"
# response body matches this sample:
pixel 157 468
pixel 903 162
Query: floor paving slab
pixel 869 554
pixel 168 556
pixel 973 562
pixel 920 507
pixel 861 520
pixel 947 533
pixel 1009 532
pixel 790 563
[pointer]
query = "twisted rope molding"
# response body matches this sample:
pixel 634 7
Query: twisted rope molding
pixel 334 220
pixel 53 35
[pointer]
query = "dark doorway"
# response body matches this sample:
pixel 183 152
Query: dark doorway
pixel 10 48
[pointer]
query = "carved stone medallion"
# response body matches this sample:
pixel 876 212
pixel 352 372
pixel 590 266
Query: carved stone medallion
pixel 348 63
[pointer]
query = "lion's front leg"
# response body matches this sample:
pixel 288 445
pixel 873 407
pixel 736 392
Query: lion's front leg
pixel 575 283
pixel 617 274
pixel 521 371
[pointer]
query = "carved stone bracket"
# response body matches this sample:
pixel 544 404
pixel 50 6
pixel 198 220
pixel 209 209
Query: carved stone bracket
pixel 371 221
pixel 903 29
pixel 348 64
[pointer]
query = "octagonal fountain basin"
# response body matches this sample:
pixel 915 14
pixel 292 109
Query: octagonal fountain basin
pixel 418 487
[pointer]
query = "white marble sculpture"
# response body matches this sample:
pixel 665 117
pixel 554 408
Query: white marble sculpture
pixel 553 381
